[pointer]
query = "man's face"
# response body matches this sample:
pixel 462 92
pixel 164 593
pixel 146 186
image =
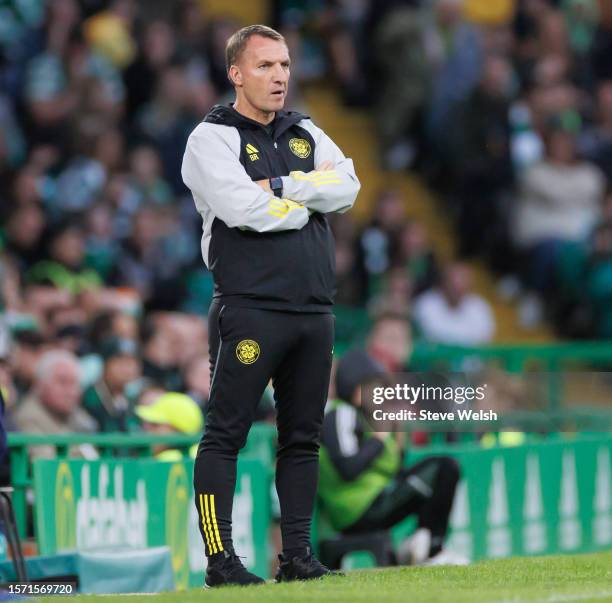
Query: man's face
pixel 121 370
pixel 457 283
pixel 391 343
pixel 262 73
pixel 61 391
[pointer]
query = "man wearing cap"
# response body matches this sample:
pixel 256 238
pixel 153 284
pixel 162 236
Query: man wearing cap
pixel 263 180
pixel 172 412
pixel 107 401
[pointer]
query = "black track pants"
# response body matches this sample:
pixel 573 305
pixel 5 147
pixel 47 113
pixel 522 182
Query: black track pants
pixel 248 347
pixel 426 489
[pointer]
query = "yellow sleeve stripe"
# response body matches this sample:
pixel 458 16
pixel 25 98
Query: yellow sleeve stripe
pixel 214 519
pixel 321 183
pixel 203 514
pixel 281 207
pixel 313 176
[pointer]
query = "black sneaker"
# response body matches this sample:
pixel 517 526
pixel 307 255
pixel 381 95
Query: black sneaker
pixel 229 571
pixel 302 568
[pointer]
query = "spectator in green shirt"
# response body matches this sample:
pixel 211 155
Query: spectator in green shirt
pixel 108 400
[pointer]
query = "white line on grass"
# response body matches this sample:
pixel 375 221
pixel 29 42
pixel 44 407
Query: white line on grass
pixel 561 598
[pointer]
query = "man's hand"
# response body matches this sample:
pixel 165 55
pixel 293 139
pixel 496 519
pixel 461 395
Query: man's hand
pixel 324 167
pixel 265 184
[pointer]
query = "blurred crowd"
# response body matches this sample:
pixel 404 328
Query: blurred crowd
pixel 506 108
pixel 103 292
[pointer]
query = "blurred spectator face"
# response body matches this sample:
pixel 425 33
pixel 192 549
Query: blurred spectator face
pixel 150 394
pixel 497 76
pixel 26 225
pixel 100 222
pixel 602 241
pixel 145 228
pixel 191 18
pixel 197 377
pixel 125 326
pixel 604 101
pixel 26 187
pixel 10 287
pixel 40 300
pixel 536 8
pixel 390 210
pixel 109 149
pixel 116 190
pixel 158 44
pixel 561 147
pixel 173 87
pixel 126 9
pixel 26 352
pixel 201 97
pixel 66 323
pixel 448 12
pixel 43 157
pixel 57 382
pixel 185 336
pixel 548 101
pixel 399 284
pixel 121 370
pixel 551 70
pixel 397 295
pixel 456 283
pixel 553 34
pixel 390 342
pixel 63 12
pixel 414 240
pixel 607 208
pixel 158 349
pixel 68 247
pixel 261 76
pixel 145 164
pixel 96 100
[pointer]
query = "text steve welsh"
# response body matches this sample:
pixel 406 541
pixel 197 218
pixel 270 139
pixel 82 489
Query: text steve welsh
pixel 463 414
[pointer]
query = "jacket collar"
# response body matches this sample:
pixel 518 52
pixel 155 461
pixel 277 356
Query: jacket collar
pixel 228 116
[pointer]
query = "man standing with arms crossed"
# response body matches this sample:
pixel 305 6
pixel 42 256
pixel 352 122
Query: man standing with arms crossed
pixel 263 180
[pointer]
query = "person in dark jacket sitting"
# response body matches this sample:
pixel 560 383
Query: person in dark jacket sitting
pixel 363 486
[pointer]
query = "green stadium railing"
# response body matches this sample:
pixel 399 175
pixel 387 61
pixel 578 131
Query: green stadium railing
pixel 260 443
pixel 516 358
pixel 553 359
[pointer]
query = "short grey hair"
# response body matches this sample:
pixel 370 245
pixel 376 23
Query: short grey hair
pixel 237 42
pixel 49 360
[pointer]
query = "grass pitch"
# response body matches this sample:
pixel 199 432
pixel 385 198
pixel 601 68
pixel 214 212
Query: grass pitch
pixel 559 579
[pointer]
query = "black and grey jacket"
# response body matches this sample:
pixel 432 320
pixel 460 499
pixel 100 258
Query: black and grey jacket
pixel 265 251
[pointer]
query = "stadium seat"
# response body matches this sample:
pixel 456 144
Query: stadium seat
pixel 378 544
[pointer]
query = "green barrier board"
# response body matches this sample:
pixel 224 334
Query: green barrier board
pixel 538 499
pixel 88 505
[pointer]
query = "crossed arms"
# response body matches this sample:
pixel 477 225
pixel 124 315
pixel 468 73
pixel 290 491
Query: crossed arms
pixel 219 183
